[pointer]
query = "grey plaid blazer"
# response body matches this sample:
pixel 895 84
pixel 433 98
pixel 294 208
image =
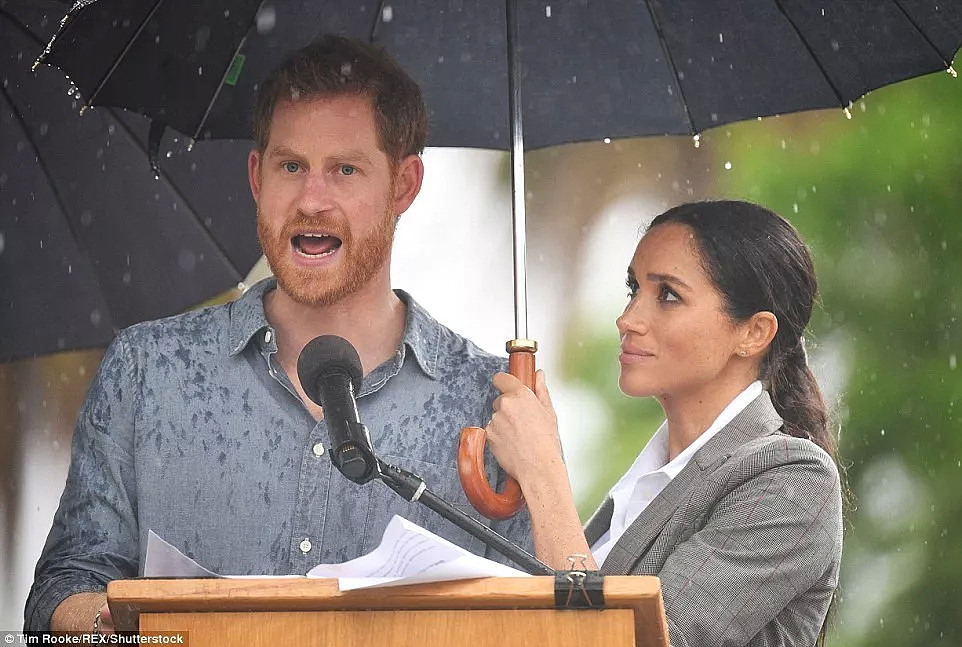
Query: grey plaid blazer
pixel 746 540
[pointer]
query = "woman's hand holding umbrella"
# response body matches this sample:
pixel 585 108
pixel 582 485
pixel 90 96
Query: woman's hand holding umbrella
pixel 523 436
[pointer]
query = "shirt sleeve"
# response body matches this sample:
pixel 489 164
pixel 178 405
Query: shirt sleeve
pixel 773 542
pixel 94 537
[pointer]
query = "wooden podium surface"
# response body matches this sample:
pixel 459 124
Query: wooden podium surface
pixel 499 612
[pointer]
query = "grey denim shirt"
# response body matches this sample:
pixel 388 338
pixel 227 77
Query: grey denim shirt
pixel 192 429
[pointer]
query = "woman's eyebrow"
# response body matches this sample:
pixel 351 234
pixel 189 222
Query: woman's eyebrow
pixel 667 278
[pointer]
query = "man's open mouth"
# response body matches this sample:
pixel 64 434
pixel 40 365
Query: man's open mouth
pixel 315 245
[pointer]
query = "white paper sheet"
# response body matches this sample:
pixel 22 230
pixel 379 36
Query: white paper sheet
pixel 163 560
pixel 407 554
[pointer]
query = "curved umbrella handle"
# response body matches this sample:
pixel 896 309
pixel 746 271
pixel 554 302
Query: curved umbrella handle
pixel 474 481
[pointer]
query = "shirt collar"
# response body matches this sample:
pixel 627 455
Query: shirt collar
pixel 654 457
pixel 734 407
pixel 422 333
pixel 247 316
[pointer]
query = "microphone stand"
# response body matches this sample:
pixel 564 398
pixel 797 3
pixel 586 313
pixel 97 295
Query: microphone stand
pixel 412 487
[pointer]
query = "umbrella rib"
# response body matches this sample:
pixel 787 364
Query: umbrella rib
pixel 671 66
pixel 55 192
pixel 811 53
pixel 227 70
pixel 120 57
pixel 238 276
pixel 922 33
pixel 43 166
pixel 377 21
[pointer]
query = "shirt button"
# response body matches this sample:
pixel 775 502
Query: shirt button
pixel 318 449
pixel 306 546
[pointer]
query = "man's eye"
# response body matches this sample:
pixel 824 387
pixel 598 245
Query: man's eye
pixel 347 169
pixel 292 167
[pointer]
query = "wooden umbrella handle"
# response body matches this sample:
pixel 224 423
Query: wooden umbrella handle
pixel 486 500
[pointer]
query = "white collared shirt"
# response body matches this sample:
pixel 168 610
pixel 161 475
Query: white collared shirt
pixel 652 472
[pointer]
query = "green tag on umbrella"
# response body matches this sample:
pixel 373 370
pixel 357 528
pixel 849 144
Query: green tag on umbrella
pixel 235 69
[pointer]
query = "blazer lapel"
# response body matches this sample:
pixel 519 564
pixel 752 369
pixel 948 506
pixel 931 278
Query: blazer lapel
pixel 757 419
pixel 600 521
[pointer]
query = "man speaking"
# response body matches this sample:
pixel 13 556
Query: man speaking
pixel 196 426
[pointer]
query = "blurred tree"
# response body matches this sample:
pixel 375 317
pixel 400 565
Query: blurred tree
pixel 878 200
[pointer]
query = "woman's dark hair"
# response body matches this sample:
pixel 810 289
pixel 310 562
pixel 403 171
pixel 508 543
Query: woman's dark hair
pixel 757 261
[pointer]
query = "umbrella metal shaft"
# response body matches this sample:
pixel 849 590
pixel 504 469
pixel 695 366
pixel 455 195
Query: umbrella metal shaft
pixel 518 242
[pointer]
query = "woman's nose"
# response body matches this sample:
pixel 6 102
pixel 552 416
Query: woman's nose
pixel 634 318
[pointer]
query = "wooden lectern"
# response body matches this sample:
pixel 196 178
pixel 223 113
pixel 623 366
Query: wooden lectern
pixel 495 612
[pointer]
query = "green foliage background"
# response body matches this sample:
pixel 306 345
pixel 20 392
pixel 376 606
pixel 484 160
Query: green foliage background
pixel 878 198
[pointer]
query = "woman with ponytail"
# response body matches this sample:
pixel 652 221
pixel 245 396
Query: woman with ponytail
pixel 735 503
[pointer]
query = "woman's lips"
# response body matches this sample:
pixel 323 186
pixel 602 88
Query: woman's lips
pixel 631 355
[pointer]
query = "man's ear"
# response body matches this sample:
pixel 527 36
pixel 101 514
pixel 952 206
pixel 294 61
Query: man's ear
pixel 758 333
pixel 254 173
pixel 407 182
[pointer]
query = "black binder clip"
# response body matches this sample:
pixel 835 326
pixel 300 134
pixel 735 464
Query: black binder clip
pixel 578 588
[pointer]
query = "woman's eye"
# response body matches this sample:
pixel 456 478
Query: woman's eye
pixel 292 167
pixel 347 169
pixel 665 293
pixel 632 288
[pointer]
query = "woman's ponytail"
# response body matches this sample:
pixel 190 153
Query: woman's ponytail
pixel 798 400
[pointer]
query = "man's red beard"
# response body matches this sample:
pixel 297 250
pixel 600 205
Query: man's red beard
pixel 322 287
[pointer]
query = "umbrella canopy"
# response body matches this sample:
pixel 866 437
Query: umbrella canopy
pixel 621 68
pixel 90 241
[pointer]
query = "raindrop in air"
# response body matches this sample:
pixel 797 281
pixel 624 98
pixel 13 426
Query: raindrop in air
pixel 187 260
pixel 95 317
pixel 3 242
pixel 547 11
pixel 387 14
pixel 728 166
pixel 125 278
pixel 607 140
pixel 952 361
pixel 169 153
pixel 835 45
pixel 266 20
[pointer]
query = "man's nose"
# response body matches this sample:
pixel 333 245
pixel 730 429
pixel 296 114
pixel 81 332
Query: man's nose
pixel 316 194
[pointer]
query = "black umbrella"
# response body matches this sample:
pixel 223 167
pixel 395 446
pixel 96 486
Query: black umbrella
pixel 90 241
pixel 578 70
pixel 586 71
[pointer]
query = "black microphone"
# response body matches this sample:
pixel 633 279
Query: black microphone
pixel 330 373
